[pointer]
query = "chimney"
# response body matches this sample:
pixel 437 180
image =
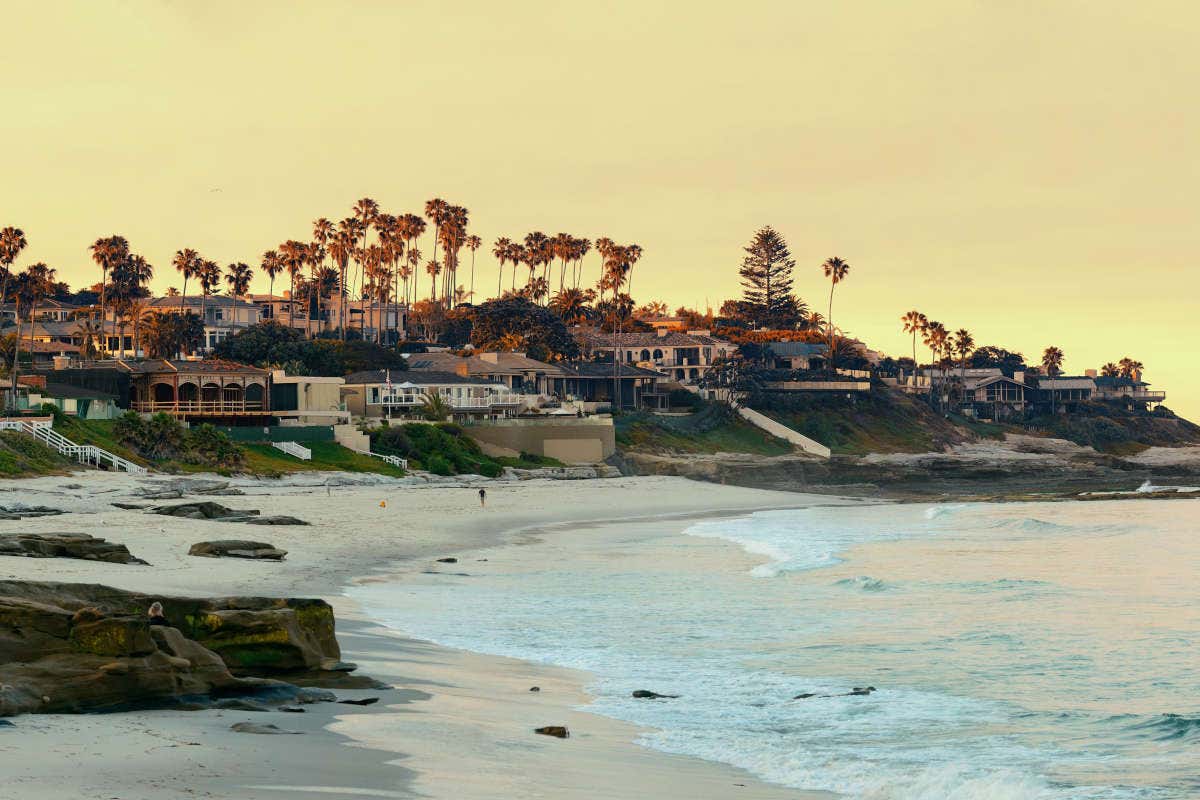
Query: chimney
pixel 1136 375
pixel 491 358
pixel 1091 373
pixel 662 332
pixel 1019 376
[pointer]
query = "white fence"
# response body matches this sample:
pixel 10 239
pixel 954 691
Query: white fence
pixel 294 449
pixel 783 432
pixel 43 431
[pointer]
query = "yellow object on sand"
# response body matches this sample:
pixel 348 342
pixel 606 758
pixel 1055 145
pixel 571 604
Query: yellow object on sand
pixel 383 503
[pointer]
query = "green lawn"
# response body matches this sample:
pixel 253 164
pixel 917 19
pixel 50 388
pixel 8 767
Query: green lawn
pixel 326 456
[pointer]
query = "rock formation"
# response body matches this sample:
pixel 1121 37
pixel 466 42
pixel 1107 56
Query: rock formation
pixel 237 548
pixel 65 545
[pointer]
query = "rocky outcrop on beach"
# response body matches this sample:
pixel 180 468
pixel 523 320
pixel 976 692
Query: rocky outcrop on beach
pixel 65 545
pixel 237 548
pixel 1016 466
pixel 23 512
pixel 86 647
pixel 206 509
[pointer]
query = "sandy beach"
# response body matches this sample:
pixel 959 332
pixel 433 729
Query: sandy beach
pixel 468 718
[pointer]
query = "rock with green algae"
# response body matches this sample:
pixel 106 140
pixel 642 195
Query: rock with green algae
pixel 85 647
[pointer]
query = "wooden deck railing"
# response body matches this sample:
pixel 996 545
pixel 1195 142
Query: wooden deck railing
pixel 199 406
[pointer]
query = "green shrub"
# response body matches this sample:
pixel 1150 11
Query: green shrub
pixel 438 465
pixel 491 469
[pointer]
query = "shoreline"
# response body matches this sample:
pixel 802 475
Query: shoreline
pixel 452 696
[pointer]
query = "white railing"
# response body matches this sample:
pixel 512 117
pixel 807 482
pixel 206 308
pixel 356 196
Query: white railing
pixel 410 400
pixel 294 449
pixel 395 461
pixel 83 453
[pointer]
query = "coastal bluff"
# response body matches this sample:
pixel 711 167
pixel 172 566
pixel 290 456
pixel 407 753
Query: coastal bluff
pixel 67 647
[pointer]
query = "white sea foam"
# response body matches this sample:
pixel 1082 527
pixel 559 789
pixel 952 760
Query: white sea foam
pixel 948 657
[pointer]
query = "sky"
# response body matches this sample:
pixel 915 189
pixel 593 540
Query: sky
pixel 1026 170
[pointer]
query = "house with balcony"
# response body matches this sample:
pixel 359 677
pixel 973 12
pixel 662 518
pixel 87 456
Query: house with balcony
pixel 685 357
pixel 48 309
pixel 223 316
pixel 384 394
pixel 996 396
pixel 1129 390
pixel 593 386
pixel 1064 392
pixel 521 374
pixel 210 389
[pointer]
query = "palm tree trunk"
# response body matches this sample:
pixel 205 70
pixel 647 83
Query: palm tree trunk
pixel 16 354
pixel 829 322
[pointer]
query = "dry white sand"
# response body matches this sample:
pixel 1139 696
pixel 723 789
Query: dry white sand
pixel 469 717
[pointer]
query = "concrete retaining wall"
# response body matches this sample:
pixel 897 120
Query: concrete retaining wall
pixel 569 439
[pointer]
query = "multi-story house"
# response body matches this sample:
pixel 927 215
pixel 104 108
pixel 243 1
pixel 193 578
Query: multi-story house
pixel 223 316
pixel 386 394
pixel 376 321
pixel 686 357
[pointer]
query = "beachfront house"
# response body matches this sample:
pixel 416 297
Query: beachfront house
pixel 995 396
pixel 1129 390
pixel 1065 392
pixel 591 386
pixel 685 357
pixel 386 322
pixel 387 394
pixel 797 355
pixel 307 399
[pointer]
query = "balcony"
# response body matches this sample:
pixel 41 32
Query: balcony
pixel 414 400
pixel 215 407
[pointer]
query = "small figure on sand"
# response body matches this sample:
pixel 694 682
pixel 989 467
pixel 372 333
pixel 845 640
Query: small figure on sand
pixel 483 498
pixel 157 617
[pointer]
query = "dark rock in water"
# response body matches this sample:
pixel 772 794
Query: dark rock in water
pixel 292 709
pixel 281 519
pixel 240 704
pixel 22 511
pixel 237 548
pixel 252 727
pixel 65 545
pixel 6 724
pixel 309 696
pixel 859 690
pixel 557 731
pixel 535 688
pixel 365 701
pixel 642 694
pixel 130 506
pixel 67 647
pixel 338 666
pixel 448 560
pixel 804 696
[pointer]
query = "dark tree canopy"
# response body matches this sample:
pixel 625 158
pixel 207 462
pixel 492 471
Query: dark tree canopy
pixel 991 356
pixel 270 344
pixel 767 299
pixel 515 323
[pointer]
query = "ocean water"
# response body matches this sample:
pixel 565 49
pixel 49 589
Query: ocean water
pixel 1018 651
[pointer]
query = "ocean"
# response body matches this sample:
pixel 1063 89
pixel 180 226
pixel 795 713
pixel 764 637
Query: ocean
pixel 1017 651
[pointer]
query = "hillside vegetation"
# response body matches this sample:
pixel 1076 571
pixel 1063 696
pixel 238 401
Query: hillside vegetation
pixel 710 428
pixel 23 456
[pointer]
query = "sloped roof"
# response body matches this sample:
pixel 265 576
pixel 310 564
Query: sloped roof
pixel 1066 382
pixel 1117 382
pixel 420 377
pixel 650 339
pixel 791 349
pixel 153 365
pixel 195 300
pixel 505 364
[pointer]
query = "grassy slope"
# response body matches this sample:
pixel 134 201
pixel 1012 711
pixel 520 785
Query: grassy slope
pixel 22 456
pixel 884 421
pixel 264 459
pixel 702 432
pixel 98 432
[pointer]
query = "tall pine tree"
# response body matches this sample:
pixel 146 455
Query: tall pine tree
pixel 767 299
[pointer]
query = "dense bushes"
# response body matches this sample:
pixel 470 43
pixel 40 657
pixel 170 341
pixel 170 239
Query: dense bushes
pixel 162 438
pixel 442 449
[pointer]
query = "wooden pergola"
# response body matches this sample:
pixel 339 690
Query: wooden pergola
pixel 209 388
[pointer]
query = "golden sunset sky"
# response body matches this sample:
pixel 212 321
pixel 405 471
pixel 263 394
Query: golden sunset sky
pixel 1026 170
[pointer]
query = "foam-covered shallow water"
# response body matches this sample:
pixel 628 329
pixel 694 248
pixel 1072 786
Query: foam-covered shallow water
pixel 1042 651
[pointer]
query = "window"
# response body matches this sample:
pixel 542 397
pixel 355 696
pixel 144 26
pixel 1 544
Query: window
pixel 658 354
pixel 374 395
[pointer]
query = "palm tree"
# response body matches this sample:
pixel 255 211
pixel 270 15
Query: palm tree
pixel 1052 361
pixel 293 255
pixel 1110 370
pixel 516 257
pixel 571 305
pixel 108 252
pixel 32 286
pixel 536 248
pixel 473 244
pixel 435 212
pixel 1128 367
pixel 433 269
pixel 89 332
pixel 935 337
pixel 963 343
pixel 272 265
pixel 434 408
pixel 914 322
pixel 836 270
pixel 187 262
pixel 237 278
pixel 12 242
pixel 210 279
pixel 501 249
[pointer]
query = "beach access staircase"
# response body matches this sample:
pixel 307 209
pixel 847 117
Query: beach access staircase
pixel 43 431
pixel 294 449
pixel 781 431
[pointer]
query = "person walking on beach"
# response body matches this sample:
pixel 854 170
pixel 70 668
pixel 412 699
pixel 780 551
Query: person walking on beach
pixel 483 498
